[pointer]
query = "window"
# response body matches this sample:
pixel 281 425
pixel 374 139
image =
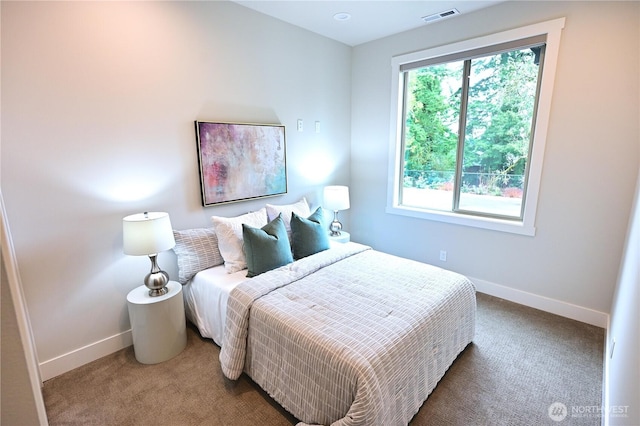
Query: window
pixel 469 126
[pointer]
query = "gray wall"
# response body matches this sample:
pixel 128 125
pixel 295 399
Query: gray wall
pixel 590 164
pixel 624 357
pixel 98 105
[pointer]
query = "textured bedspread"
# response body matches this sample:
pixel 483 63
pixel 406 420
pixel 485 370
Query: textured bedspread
pixel 349 336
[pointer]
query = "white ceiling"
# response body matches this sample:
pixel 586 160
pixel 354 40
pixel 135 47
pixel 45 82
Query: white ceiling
pixel 370 19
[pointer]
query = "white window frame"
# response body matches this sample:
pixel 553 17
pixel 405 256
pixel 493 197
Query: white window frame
pixel 553 30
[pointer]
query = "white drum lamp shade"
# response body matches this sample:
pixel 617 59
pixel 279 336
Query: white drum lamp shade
pixel 147 233
pixel 336 197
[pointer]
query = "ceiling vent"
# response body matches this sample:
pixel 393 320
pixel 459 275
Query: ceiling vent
pixel 438 16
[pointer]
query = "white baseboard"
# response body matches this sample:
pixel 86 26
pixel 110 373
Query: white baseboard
pixel 74 359
pixel 564 309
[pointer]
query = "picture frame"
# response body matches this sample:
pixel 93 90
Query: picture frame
pixel 240 161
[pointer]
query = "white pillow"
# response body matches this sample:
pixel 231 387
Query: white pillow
pixel 229 232
pixel 301 208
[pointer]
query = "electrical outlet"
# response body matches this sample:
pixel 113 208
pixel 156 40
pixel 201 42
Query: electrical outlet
pixel 317 127
pixel 443 255
pixel 300 125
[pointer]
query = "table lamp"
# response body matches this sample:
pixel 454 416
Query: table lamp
pixel 336 198
pixel 148 234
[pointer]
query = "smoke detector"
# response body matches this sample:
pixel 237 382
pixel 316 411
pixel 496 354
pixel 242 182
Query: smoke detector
pixel 438 16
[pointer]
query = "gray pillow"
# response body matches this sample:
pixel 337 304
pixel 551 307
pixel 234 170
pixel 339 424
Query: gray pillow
pixel 196 250
pixel 266 248
pixel 310 235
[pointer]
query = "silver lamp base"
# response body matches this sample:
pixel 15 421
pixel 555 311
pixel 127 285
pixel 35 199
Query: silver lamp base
pixel 156 280
pixel 335 226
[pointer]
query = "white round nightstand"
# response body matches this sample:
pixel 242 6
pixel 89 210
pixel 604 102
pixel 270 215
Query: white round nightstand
pixel 344 237
pixel 157 323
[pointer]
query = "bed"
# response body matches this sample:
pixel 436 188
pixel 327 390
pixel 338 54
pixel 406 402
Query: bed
pixel 345 336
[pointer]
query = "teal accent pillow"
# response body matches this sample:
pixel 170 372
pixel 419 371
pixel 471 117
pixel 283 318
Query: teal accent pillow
pixel 266 248
pixel 310 235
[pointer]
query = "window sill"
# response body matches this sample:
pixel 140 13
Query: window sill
pixel 513 227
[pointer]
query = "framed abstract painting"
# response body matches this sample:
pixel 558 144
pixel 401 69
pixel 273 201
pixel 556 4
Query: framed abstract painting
pixel 240 161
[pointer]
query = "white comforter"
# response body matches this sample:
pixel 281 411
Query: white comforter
pixel 349 336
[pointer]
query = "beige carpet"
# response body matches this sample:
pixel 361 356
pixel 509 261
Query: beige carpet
pixel 521 361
